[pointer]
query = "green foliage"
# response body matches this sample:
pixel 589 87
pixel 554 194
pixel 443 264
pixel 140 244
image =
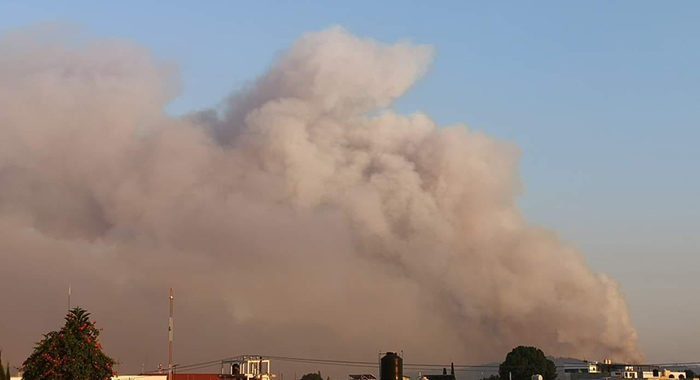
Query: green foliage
pixel 523 362
pixel 690 374
pixel 312 376
pixel 72 353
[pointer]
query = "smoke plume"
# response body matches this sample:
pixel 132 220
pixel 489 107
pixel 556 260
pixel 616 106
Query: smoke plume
pixel 303 216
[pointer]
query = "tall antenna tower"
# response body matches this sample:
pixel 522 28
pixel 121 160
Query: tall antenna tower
pixel 170 337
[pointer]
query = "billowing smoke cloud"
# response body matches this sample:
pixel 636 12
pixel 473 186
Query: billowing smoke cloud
pixel 303 217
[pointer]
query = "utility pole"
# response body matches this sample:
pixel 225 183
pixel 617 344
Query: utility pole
pixel 69 296
pixel 170 337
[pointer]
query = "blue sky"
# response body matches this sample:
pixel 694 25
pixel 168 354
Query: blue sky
pixel 600 96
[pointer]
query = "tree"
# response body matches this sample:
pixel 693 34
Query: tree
pixel 4 372
pixel 523 362
pixel 73 352
pixel 690 374
pixel 312 376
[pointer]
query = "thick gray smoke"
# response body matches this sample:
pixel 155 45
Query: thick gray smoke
pixel 303 217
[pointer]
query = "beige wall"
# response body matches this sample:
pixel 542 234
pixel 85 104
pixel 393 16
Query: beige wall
pixel 122 377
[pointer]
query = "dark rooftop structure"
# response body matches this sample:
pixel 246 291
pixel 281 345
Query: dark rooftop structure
pixel 444 375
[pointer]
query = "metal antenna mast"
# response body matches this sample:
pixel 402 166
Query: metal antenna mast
pixel 170 337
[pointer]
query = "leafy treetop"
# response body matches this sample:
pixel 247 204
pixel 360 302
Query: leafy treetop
pixel 72 353
pixel 312 376
pixel 523 362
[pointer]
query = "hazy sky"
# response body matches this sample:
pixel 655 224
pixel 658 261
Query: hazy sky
pixel 600 97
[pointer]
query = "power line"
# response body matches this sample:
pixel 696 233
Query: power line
pixel 373 364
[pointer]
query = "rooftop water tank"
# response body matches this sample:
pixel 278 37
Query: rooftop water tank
pixel 391 367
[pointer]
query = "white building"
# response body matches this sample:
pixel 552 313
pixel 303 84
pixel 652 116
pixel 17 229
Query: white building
pixel 608 370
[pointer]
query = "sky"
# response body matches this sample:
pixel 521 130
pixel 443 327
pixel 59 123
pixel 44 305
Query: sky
pixel 600 97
